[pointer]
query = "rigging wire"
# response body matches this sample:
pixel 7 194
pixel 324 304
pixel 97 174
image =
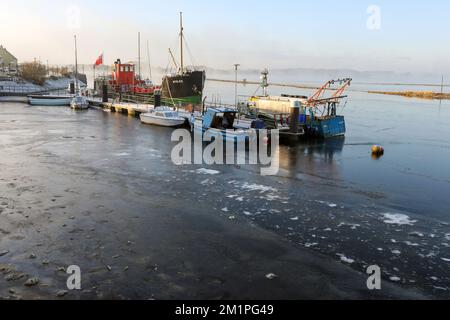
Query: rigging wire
pixel 149 61
pixel 191 56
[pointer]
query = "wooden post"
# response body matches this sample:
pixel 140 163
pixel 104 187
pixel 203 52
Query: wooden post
pixel 294 122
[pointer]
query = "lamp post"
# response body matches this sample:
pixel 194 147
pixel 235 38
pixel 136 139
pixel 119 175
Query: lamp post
pixel 236 66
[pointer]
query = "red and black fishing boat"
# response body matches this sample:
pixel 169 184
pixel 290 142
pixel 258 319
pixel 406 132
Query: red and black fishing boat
pixel 124 80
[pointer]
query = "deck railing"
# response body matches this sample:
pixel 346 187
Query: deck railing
pixel 27 90
pixel 145 99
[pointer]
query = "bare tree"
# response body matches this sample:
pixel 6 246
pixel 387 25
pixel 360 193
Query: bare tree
pixel 34 72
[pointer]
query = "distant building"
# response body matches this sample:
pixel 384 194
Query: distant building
pixel 8 63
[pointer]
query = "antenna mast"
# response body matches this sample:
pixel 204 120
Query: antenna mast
pixel 139 54
pixel 149 63
pixel 76 64
pixel 181 41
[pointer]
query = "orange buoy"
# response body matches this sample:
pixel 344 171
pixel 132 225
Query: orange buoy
pixel 377 150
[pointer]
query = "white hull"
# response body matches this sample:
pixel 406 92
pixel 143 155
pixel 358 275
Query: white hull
pixel 79 106
pixel 79 103
pixel 238 135
pixel 163 122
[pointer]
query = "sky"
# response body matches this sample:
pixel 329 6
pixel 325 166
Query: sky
pixel 386 35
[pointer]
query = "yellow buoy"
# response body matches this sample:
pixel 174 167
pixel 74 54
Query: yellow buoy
pixel 377 150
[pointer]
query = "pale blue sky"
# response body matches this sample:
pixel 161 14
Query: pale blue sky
pixel 257 34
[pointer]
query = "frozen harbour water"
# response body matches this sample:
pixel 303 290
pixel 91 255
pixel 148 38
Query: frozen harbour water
pixel 98 190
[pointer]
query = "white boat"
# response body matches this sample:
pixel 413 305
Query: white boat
pixel 163 116
pixel 79 103
pixel 50 101
pixel 221 122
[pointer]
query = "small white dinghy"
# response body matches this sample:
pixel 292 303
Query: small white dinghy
pixel 79 103
pixel 163 116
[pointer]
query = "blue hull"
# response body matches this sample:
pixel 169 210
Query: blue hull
pixel 49 102
pixel 326 128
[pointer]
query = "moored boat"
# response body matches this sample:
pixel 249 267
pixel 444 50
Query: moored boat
pixel 50 100
pixel 317 116
pixel 222 122
pixel 79 102
pixel 124 80
pixel 185 86
pixel 163 116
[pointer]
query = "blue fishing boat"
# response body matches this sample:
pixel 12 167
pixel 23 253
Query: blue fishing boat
pixel 323 126
pixel 323 120
pixel 318 115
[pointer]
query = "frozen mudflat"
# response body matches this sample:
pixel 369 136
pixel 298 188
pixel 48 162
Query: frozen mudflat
pixel 99 190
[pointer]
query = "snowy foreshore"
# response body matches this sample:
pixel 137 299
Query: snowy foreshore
pixel 20 87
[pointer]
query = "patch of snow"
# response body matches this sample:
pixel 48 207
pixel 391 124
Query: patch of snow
pixel 345 259
pixel 207 171
pixel 352 226
pixel 258 187
pixel 440 288
pixel 330 204
pixel 205 182
pixel 271 197
pixel 271 276
pixel 398 219
pixel 417 234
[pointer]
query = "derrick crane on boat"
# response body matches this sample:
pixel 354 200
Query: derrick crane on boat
pixel 317 115
pixel 328 105
pixel 317 98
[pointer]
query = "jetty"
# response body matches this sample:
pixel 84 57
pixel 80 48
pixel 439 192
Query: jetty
pixel 131 109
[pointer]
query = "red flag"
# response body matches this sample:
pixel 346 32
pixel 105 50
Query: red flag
pixel 99 60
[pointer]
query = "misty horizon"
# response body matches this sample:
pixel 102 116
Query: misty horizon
pixel 403 41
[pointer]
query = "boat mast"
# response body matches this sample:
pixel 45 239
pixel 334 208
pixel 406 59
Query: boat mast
pixel 76 65
pixel 149 63
pixel 181 41
pixel 139 55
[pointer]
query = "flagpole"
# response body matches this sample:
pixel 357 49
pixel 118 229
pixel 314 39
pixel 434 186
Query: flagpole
pixel 94 79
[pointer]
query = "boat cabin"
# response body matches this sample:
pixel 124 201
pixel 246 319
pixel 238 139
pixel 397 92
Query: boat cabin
pixel 124 79
pixel 220 118
pixel 123 74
